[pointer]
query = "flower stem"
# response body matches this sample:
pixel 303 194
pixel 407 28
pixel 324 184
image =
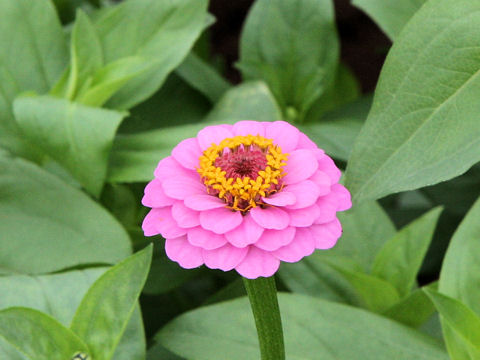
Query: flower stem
pixel 263 300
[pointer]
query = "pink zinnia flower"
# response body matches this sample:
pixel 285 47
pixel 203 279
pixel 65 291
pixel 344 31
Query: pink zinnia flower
pixel 245 197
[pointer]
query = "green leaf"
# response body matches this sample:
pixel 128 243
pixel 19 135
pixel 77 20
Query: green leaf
pixel 462 320
pixel 134 157
pixel 400 258
pixel 105 310
pixel 201 76
pixel 39 58
pixel 423 126
pixel 160 32
pixel 77 137
pixel 47 225
pixel 297 65
pixel 391 16
pixel 38 336
pixel 313 328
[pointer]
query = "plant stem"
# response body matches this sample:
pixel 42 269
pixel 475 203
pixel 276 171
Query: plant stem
pixel 262 293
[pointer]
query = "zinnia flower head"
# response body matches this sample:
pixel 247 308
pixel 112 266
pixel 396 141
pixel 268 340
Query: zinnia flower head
pixel 245 197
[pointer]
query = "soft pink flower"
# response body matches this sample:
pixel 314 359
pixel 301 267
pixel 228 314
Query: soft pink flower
pixel 245 197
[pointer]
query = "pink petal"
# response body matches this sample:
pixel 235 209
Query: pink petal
pixel 283 134
pixel 220 221
pixel 304 217
pixel 205 239
pixel 169 167
pixel 166 224
pixel 182 187
pixel 245 234
pixel 212 135
pixel 185 217
pixel 258 263
pixel 224 258
pixel 202 202
pixel 344 200
pixel 326 235
pixel 270 217
pixel 187 153
pixel 181 251
pixel 281 198
pixel 328 205
pixel 274 239
pixel 302 245
pixel 306 193
pixel 322 181
pixel 155 196
pixel 149 224
pixel 248 127
pixel 301 164
pixel 304 142
pixel 326 164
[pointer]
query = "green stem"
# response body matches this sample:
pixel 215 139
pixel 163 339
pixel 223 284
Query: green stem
pixel 263 299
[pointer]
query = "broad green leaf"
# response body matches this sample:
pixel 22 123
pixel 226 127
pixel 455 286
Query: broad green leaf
pixel 423 126
pixel 293 47
pixel 464 323
pixel 134 157
pixel 76 136
pixel 336 131
pixel 37 57
pixel 47 225
pixel 105 310
pixel 391 16
pixel 160 32
pixel 399 260
pixel 159 352
pixel 38 336
pixel 202 77
pixel 313 329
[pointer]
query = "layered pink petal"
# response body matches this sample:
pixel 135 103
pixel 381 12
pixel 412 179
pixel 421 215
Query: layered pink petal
pixel 201 202
pixel 205 239
pixel 304 142
pixel 304 217
pixel 322 181
pixel 166 224
pixel 169 167
pixel 155 196
pixel 185 217
pixel 182 187
pixel 283 134
pixel 301 164
pixel 270 217
pixel 220 221
pixel 326 235
pixel 248 127
pixel 245 234
pixel 326 164
pixel 181 251
pixel 306 193
pixel 149 225
pixel 344 200
pixel 258 263
pixel 187 153
pixel 328 208
pixel 225 258
pixel 274 239
pixel 281 198
pixel 212 135
pixel 302 245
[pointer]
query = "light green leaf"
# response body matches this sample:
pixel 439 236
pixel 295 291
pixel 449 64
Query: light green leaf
pixel 38 57
pixel 464 323
pixel 399 260
pixel 105 310
pixel 77 137
pixel 38 336
pixel 47 225
pixel 391 16
pixel 293 47
pixel 134 157
pixel 201 76
pixel 423 126
pixel 160 32
pixel 313 329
